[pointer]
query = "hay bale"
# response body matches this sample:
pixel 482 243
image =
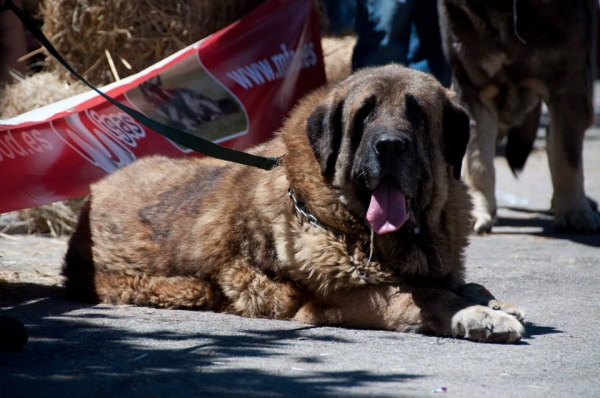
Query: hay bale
pixel 34 92
pixel 337 55
pixel 55 219
pixel 31 93
pixel 135 33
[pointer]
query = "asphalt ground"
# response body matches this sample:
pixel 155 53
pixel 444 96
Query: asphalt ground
pixel 76 350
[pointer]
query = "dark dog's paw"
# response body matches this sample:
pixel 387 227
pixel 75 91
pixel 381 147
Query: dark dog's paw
pixel 484 324
pixel 580 221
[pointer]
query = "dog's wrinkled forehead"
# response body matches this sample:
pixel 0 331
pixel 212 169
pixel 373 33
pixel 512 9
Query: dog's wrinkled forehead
pixel 394 91
pixel 390 82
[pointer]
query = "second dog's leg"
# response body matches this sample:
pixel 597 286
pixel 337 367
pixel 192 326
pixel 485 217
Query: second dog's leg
pixel 570 115
pixel 479 170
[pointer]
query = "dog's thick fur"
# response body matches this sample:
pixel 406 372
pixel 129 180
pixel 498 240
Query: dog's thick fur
pixel 205 234
pixel 508 57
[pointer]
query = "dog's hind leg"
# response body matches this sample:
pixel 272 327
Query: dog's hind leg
pixel 251 293
pixel 158 291
pixel 86 281
pixel 479 162
pixel 571 113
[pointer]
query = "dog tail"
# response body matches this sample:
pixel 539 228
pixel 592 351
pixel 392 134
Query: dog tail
pixel 520 140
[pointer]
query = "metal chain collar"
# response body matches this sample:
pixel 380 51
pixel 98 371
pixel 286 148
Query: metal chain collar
pixel 303 212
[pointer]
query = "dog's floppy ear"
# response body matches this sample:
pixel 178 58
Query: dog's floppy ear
pixel 324 131
pixel 456 135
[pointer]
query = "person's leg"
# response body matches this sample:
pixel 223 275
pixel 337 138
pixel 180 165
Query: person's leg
pixel 383 32
pixel 426 45
pixel 13 44
pixel 341 15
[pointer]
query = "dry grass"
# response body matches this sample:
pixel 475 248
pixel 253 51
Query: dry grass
pixel 55 219
pixel 34 92
pixel 132 33
pixel 337 54
pixel 31 93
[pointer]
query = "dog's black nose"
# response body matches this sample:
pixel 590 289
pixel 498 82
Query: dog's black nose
pixel 389 148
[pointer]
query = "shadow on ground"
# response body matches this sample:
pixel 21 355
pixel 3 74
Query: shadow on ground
pixel 543 221
pixel 15 293
pixel 76 350
pixel 534 330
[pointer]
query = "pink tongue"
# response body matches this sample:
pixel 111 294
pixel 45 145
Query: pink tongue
pixel 387 210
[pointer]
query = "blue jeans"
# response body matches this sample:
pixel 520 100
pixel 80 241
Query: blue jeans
pixel 402 31
pixel 341 15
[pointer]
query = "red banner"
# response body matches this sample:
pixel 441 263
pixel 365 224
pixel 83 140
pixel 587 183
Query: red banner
pixel 233 88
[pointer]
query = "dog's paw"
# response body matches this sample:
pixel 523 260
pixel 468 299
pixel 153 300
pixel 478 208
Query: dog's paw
pixel 580 221
pixel 484 212
pixel 479 323
pixel 482 222
pixel 478 294
pixel 484 205
pixel 509 308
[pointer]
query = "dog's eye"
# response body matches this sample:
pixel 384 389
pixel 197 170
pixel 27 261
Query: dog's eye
pixel 414 112
pixel 367 118
pixel 361 119
pixel 365 113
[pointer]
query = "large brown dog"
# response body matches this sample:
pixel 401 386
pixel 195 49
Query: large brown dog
pixel 370 169
pixel 508 57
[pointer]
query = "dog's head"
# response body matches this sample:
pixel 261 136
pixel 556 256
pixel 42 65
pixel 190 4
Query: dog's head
pixel 389 139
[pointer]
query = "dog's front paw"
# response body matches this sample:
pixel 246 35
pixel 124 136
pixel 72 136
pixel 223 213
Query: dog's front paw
pixel 478 294
pixel 484 324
